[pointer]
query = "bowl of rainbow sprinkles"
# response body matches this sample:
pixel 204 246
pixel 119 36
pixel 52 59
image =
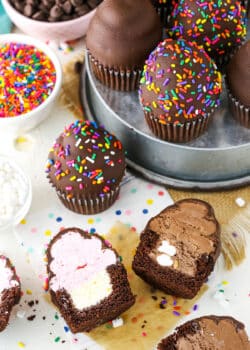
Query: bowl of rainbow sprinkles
pixel 30 81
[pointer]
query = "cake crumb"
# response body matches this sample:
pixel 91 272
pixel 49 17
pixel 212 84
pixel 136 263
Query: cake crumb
pixel 117 322
pixel 240 202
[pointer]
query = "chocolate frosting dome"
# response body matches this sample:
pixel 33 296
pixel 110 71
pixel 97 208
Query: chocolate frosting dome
pixel 123 33
pixel 217 25
pixel 238 74
pixel 86 159
pixel 179 83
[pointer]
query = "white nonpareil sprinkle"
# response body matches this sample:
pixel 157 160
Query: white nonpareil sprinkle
pixel 117 322
pixel 13 191
pixel 21 313
pixel 240 202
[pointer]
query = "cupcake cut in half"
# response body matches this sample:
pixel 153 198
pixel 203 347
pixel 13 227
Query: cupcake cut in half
pixel 179 90
pixel 178 248
pixel 85 166
pixel 208 332
pixel 87 281
pixel 238 83
pixel 119 38
pixel 10 290
pixel 220 26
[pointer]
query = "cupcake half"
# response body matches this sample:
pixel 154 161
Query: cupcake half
pixel 238 83
pixel 179 90
pixel 85 166
pixel 120 37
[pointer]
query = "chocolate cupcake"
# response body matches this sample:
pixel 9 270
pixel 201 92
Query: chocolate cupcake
pixel 220 26
pixel 87 281
pixel 208 332
pixel 164 9
pixel 179 90
pixel 178 248
pixel 119 38
pixel 85 166
pixel 10 290
pixel 238 83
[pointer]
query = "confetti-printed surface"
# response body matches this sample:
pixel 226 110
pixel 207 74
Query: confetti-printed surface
pixel 35 323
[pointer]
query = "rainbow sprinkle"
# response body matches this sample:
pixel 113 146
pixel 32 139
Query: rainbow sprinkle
pixel 27 78
pixel 179 82
pixel 219 26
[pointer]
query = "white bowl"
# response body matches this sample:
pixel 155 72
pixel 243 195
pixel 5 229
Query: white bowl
pixel 65 30
pixel 24 122
pixel 7 224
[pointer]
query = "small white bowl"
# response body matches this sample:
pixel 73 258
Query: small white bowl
pixel 62 31
pixel 12 126
pixel 23 209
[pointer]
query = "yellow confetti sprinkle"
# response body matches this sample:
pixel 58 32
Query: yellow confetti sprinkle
pixel 225 282
pixel 47 233
pixel 150 201
pixel 91 221
pixel 21 139
pixel 29 292
pixel 21 344
pixel 23 222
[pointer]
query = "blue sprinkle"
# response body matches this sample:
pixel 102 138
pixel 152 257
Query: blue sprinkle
pixel 66 329
pixel 118 212
pixel 59 219
pixel 145 211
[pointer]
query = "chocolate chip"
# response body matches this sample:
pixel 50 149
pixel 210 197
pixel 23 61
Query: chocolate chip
pixel 56 12
pixel 28 10
pixel 39 16
pixel 78 67
pixel 77 3
pixel 82 10
pixel 48 3
pixel 67 7
pixel 93 3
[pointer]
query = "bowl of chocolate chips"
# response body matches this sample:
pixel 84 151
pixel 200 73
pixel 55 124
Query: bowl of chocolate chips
pixel 61 20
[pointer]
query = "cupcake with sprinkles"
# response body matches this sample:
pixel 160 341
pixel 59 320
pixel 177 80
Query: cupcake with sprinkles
pixel 238 83
pixel 179 90
pixel 85 166
pixel 164 8
pixel 220 26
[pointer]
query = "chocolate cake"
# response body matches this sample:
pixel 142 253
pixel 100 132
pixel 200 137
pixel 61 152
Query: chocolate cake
pixel 119 38
pixel 178 248
pixel 87 281
pixel 10 290
pixel 85 166
pixel 208 333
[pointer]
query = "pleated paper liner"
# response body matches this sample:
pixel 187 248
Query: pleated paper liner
pixel 239 111
pixel 154 313
pixel 89 204
pixel 122 80
pixel 177 132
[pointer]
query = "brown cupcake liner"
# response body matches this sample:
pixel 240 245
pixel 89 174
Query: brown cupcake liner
pixel 90 204
pixel 178 133
pixel 239 111
pixel 122 80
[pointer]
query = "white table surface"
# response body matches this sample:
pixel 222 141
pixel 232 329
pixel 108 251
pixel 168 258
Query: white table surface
pixel 138 201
